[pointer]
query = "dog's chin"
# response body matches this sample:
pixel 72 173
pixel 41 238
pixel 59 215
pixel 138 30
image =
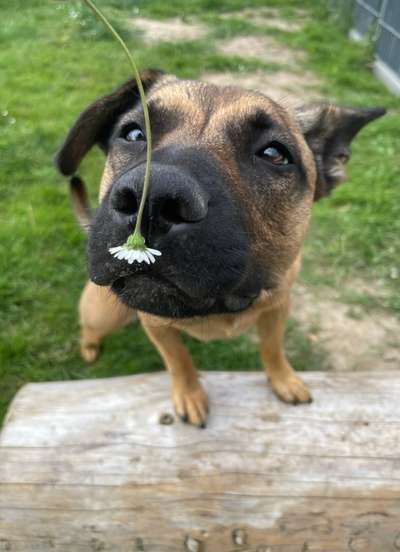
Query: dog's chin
pixel 160 297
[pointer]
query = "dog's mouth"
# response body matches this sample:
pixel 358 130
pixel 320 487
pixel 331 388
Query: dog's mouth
pixel 159 296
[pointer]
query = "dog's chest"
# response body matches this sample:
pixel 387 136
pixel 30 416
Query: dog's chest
pixel 218 327
pixel 225 326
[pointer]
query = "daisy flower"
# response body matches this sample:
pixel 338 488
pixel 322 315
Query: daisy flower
pixel 134 249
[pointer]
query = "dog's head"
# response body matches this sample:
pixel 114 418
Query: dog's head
pixel 233 179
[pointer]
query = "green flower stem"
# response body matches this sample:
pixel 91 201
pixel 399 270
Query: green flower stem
pixel 137 233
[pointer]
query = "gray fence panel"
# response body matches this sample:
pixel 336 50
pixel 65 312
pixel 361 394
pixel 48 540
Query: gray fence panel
pixel 374 4
pixel 388 43
pixel 388 49
pixel 382 18
pixel 391 15
pixel 363 19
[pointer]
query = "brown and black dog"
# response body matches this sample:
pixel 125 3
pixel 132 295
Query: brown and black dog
pixel 233 180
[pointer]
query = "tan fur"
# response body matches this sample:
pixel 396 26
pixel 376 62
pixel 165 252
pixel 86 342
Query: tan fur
pixel 100 313
pixel 106 181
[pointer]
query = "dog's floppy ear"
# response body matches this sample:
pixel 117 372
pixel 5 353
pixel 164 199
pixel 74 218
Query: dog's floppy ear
pixel 94 125
pixel 329 130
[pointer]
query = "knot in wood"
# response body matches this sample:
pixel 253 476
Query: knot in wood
pixel 166 419
pixel 5 544
pixel 192 545
pixel 239 537
pixel 97 545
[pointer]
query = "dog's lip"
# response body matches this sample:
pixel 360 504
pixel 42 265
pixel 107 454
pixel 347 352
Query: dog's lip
pixel 195 302
pixel 236 303
pixel 231 302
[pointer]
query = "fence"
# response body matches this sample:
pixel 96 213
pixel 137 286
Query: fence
pixel 381 18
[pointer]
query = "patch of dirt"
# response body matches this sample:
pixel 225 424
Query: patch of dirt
pixel 285 87
pixel 353 339
pixel 290 87
pixel 374 288
pixel 270 17
pixel 169 30
pixel 260 47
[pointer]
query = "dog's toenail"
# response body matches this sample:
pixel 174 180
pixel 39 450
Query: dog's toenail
pixel 203 425
pixel 184 419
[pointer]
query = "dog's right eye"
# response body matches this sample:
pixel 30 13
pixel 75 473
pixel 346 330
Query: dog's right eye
pixel 133 134
pixel 276 153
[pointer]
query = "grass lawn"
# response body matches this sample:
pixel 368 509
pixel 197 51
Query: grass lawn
pixel 55 59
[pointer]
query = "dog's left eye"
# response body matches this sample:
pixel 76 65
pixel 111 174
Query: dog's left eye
pixel 133 134
pixel 276 153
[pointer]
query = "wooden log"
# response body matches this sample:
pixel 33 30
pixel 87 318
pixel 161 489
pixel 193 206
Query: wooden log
pixel 103 465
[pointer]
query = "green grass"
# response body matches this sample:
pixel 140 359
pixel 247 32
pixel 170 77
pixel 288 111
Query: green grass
pixel 55 59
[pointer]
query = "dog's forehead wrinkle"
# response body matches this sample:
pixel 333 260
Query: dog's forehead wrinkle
pixel 250 109
pixel 154 104
pixel 210 97
pixel 178 102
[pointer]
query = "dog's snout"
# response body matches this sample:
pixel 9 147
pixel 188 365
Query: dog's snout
pixel 174 198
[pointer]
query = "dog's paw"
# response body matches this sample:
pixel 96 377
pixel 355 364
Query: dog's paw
pixel 291 389
pixel 89 352
pixel 191 405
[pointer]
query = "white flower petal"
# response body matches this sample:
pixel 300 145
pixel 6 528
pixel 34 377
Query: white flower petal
pixel 136 256
pixel 153 251
pixel 114 250
pixel 150 256
pixel 146 257
pixel 140 256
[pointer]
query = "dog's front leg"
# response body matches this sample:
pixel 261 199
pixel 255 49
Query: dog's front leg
pixel 284 381
pixel 188 396
pixel 100 314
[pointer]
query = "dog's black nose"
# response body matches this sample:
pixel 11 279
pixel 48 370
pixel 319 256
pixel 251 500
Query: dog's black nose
pixel 174 197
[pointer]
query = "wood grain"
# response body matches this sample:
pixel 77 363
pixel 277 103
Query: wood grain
pixel 87 466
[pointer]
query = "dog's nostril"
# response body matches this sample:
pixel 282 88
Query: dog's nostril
pixel 172 212
pixel 125 201
pixel 180 210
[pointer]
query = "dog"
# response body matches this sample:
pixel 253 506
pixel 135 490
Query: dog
pixel 233 180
